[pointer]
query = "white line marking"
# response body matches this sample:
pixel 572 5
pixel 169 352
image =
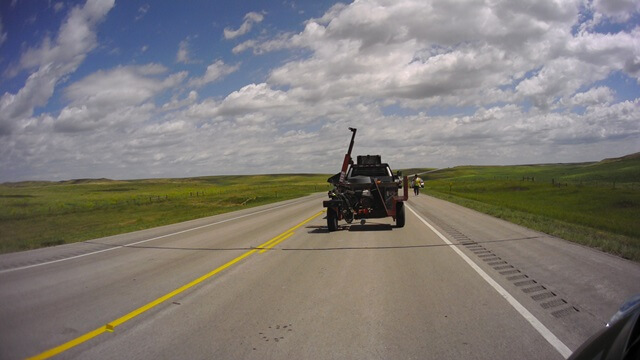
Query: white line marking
pixel 144 241
pixel 543 330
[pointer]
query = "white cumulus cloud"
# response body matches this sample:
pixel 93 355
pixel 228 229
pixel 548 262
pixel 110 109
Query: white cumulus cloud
pixel 52 59
pixel 214 72
pixel 98 99
pixel 617 10
pixel 184 51
pixel 426 82
pixel 249 19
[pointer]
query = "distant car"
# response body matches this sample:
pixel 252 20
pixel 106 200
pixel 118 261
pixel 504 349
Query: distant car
pixel 619 340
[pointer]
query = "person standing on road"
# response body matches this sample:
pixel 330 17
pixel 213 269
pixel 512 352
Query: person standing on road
pixel 417 184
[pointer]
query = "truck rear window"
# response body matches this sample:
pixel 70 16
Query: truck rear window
pixel 369 171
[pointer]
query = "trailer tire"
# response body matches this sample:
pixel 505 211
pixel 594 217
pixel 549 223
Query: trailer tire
pixel 332 219
pixel 399 214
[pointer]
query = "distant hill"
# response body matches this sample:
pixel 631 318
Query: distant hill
pixel 635 156
pixel 622 169
pixel 625 169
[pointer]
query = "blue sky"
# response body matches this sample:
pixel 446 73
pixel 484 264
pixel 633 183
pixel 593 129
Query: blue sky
pixel 138 89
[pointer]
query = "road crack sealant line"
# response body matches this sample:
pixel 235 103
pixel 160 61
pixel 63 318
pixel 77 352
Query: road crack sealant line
pixel 110 327
pixel 147 240
pixel 537 325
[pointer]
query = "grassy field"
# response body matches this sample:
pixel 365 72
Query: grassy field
pixel 38 214
pixel 595 204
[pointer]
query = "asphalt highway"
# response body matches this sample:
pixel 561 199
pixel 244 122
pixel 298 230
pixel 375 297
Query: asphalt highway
pixel 272 283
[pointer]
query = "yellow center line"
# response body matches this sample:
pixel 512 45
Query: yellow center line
pixel 282 238
pixel 265 245
pixel 66 346
pixel 109 327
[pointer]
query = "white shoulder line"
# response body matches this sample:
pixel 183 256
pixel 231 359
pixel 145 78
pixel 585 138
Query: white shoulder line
pixel 543 330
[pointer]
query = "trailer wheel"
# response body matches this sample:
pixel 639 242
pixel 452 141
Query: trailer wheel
pixel 399 214
pixel 332 219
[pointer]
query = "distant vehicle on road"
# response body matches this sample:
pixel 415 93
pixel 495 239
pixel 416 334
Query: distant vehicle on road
pixel 364 190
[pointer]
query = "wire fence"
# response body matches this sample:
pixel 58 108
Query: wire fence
pixel 556 181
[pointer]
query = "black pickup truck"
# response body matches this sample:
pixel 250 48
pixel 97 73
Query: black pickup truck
pixel 364 190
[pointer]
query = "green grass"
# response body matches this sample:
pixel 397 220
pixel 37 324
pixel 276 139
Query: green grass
pixel 595 204
pixel 619 173
pixel 38 214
